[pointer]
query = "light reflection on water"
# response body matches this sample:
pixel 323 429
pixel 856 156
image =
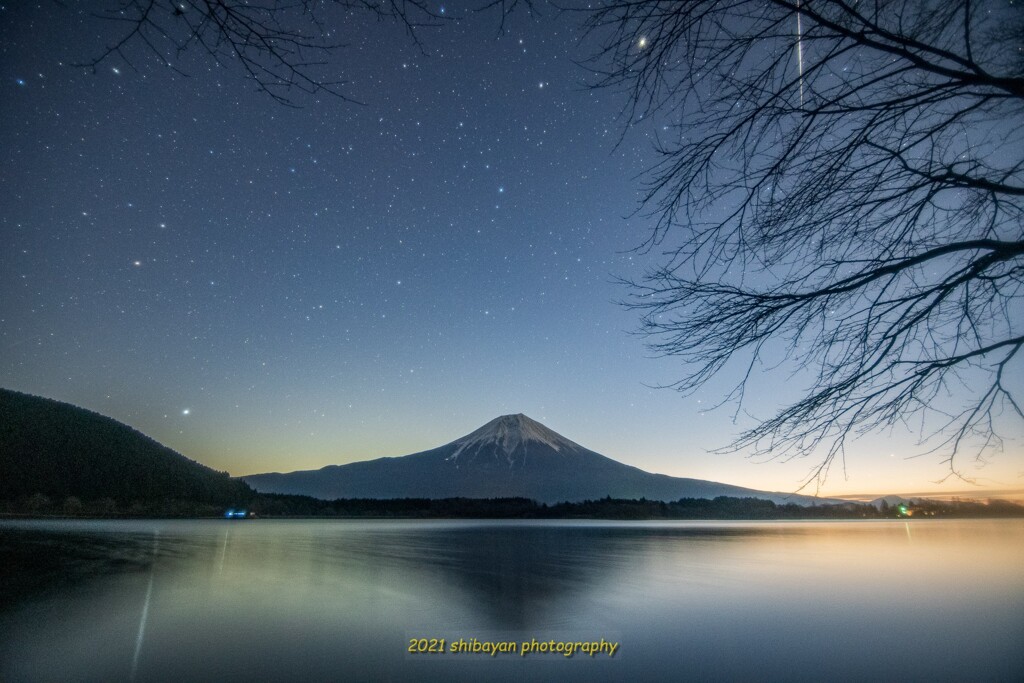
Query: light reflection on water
pixel 339 600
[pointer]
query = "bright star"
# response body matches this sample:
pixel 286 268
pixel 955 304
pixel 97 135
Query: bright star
pixel 642 43
pixel 186 411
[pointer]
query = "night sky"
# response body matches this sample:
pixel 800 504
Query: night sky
pixel 265 288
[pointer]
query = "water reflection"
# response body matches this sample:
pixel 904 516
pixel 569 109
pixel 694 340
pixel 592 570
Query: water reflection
pixel 273 600
pixel 145 604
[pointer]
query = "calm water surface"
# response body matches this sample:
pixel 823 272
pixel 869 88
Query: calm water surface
pixel 340 600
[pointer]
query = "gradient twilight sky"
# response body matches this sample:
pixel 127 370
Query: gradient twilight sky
pixel 267 288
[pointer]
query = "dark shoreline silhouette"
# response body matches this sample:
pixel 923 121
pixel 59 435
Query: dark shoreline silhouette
pixel 269 505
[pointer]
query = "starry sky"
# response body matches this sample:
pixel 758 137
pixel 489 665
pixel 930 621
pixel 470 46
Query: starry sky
pixel 272 288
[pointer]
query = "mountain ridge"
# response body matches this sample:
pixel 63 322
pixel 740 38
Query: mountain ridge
pixel 56 449
pixel 510 456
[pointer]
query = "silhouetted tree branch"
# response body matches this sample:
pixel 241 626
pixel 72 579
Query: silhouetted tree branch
pixel 842 194
pixel 283 46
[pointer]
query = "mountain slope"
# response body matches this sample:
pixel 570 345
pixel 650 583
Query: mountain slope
pixel 60 450
pixel 509 456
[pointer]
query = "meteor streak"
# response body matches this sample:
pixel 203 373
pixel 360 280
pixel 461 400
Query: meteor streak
pixel 800 52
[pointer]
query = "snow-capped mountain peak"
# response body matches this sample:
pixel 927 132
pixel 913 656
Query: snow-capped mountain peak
pixel 508 432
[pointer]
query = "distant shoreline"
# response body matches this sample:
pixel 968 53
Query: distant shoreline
pixel 723 508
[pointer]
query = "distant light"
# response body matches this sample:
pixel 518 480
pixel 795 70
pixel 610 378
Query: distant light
pixel 20 81
pixel 642 43
pixel 186 411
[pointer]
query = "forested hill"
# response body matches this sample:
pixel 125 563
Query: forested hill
pixel 59 451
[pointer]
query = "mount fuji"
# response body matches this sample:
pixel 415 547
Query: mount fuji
pixel 510 456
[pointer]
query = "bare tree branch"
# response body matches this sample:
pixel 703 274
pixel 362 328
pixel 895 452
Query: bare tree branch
pixel 282 46
pixel 843 196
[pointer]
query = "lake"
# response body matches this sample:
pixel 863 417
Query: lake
pixel 278 600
